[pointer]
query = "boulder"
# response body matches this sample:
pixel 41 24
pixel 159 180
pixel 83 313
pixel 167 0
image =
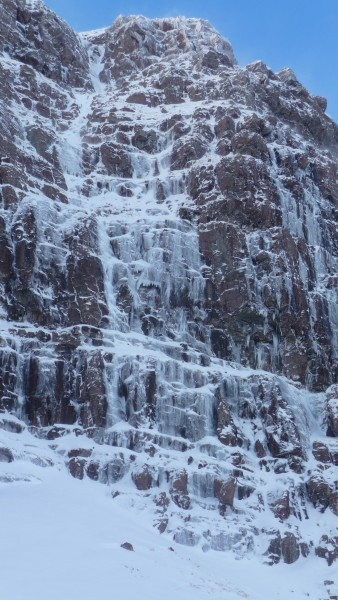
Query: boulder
pixel 6 455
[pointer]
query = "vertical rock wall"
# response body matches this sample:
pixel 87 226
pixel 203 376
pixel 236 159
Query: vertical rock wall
pixel 168 276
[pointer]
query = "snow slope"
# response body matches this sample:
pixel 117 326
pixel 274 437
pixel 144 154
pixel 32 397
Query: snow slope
pixel 61 539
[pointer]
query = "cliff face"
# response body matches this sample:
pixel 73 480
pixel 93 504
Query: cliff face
pixel 168 272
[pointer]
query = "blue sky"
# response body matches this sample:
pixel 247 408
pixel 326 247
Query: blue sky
pixel 301 34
